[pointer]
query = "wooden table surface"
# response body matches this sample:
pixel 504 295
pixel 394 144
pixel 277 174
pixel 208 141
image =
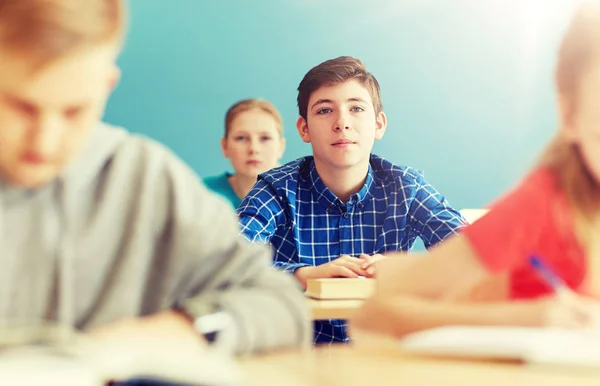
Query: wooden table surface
pixel 345 365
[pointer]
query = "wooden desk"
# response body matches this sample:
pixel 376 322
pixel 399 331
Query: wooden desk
pixel 332 309
pixel 348 366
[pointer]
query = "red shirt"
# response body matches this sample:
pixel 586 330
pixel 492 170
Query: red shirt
pixel 533 219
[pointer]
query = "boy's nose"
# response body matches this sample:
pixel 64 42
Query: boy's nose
pixel 341 123
pixel 47 135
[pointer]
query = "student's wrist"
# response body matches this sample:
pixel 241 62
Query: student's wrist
pixel 302 274
pixel 527 313
pixel 538 312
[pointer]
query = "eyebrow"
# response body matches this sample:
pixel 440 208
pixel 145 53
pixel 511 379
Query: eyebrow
pixel 10 98
pixel 14 98
pixel 81 105
pixel 323 101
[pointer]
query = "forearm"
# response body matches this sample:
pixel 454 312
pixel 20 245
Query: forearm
pixel 271 314
pixel 267 307
pixel 400 315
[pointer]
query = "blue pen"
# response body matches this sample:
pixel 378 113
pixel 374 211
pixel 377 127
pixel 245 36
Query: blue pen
pixel 552 279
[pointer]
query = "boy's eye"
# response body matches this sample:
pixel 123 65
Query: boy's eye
pixel 73 112
pixel 265 138
pixel 324 111
pixel 357 109
pixel 240 138
pixel 24 108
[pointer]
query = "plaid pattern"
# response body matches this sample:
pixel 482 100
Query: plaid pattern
pixel 291 208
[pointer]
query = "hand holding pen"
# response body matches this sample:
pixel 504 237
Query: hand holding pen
pixel 566 309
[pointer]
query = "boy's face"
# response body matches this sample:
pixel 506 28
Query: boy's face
pixel 47 115
pixel 341 125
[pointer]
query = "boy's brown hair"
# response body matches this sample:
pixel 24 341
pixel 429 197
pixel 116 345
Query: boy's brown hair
pixel 336 71
pixel 251 104
pixel 45 30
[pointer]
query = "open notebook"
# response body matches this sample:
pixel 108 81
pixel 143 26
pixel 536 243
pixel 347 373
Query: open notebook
pixel 541 346
pixel 37 358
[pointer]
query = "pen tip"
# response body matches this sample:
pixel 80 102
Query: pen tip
pixel 534 260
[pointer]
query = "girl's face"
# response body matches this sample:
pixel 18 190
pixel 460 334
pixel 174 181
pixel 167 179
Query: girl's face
pixel 253 144
pixel 581 120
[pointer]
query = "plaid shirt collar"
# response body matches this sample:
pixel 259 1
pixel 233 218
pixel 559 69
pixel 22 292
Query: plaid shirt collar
pixel 328 200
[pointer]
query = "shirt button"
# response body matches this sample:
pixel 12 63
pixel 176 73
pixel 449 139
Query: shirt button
pixel 346 215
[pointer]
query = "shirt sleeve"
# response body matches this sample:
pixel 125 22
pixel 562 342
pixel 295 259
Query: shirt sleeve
pixel 432 216
pixel 217 268
pixel 514 226
pixel 260 214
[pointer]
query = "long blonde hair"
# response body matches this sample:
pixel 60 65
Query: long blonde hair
pixel 579 50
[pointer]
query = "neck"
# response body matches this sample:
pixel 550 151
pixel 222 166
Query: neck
pixel 343 182
pixel 242 184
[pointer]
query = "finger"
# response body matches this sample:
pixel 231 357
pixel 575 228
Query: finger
pixel 348 261
pixel 584 316
pixel 372 260
pixel 342 271
pixel 568 310
pixel 585 320
pixel 367 261
pixel 350 258
pixel 354 265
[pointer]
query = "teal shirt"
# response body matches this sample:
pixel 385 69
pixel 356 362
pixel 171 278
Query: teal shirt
pixel 220 185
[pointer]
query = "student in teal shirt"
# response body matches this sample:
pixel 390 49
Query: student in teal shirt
pixel 253 142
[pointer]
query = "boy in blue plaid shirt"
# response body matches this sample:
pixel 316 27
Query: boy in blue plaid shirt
pixel 333 213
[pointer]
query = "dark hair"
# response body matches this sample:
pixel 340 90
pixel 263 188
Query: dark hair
pixel 336 71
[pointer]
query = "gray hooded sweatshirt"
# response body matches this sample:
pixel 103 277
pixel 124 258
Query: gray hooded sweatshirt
pixel 129 230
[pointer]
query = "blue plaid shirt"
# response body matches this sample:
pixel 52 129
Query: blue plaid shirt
pixel 291 208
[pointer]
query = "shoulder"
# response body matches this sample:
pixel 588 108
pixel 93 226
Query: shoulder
pixel 114 154
pixel 290 171
pixel 284 179
pixel 141 161
pixel 517 220
pixel 216 182
pixel 536 190
pixel 389 173
pixel 135 148
pixel 277 186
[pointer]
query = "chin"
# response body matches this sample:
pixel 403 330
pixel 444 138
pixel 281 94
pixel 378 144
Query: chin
pixel 29 180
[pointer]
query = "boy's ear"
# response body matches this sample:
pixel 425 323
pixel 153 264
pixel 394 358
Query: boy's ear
pixel 114 78
pixel 565 109
pixel 381 125
pixel 224 147
pixel 302 127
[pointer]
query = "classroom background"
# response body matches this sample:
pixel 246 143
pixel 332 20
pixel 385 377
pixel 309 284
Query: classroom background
pixel 473 110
